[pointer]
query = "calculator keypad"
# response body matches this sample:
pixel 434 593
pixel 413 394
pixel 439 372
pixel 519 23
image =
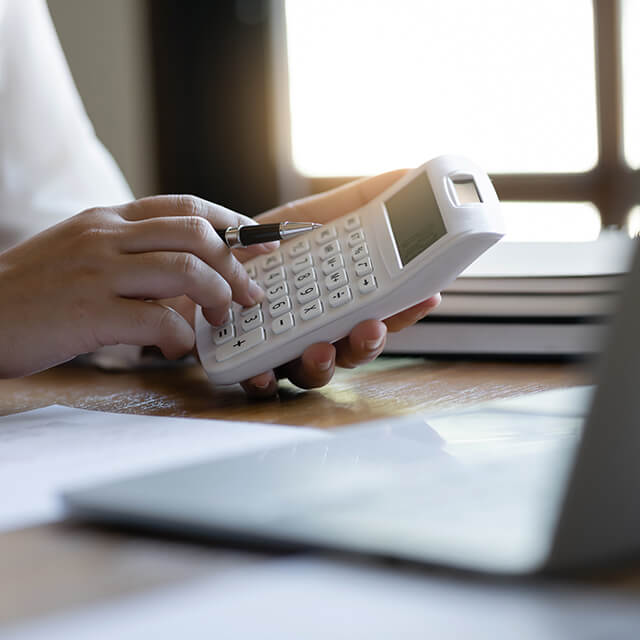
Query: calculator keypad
pixel 252 271
pixel 352 222
pixel 304 279
pixel 282 324
pixel 240 344
pixel 278 290
pixel 359 251
pixel 329 249
pixel 302 263
pixel 274 259
pixel 363 267
pixel 298 247
pixel 305 294
pixel 355 238
pixel 336 279
pixel 311 310
pixel 223 334
pixel 340 296
pixel 325 234
pixel 332 264
pixel 251 321
pixel 272 277
pixel 279 306
pixel 367 284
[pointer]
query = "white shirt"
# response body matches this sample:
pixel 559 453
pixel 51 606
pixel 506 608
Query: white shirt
pixel 51 164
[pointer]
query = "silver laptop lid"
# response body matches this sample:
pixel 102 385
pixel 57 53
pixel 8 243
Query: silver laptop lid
pixel 600 517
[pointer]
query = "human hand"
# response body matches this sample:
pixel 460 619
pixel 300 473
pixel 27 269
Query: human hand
pixel 95 279
pixel 366 341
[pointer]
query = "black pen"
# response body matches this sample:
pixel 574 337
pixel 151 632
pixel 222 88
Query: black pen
pixel 248 234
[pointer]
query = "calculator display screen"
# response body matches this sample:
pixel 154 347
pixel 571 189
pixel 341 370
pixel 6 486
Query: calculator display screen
pixel 415 218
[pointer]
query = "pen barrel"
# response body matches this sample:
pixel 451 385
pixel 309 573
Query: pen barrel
pixel 254 234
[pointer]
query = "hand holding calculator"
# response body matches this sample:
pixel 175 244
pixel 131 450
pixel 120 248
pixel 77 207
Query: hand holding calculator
pixel 402 247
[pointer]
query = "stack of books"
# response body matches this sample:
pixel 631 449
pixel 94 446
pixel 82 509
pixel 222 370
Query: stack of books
pixel 526 299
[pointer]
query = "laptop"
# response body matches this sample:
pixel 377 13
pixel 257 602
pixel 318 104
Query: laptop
pixel 547 482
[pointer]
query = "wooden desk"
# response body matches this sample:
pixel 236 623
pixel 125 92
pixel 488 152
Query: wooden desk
pixel 58 567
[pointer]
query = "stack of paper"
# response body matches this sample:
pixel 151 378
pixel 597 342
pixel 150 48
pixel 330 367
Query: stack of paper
pixel 533 298
pixel 47 450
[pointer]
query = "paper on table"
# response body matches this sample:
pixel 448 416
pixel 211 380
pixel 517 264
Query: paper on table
pixel 47 450
pixel 311 598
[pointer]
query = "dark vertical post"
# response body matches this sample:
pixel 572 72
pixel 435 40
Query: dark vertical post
pixel 612 180
pixel 213 102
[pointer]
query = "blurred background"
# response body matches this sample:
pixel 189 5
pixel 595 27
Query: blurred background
pixel 250 103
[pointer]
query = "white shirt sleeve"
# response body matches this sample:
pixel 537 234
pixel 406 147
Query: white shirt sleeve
pixel 51 163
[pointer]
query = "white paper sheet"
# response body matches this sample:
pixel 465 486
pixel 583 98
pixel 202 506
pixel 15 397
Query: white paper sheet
pixel 47 450
pixel 314 598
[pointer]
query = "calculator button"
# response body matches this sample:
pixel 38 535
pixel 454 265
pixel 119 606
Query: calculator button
pixel 304 277
pixel 363 267
pixel 298 247
pixel 360 251
pixel 340 297
pixel 240 345
pixel 277 291
pixel 252 271
pixel 280 306
pixel 282 324
pixel 330 249
pixel 250 322
pixel 367 284
pixel 325 234
pixel 245 311
pixel 332 264
pixel 336 279
pixel 311 310
pixel 301 263
pixel 223 334
pixel 277 275
pixel 271 261
pixel 355 237
pixel 306 294
pixel 352 222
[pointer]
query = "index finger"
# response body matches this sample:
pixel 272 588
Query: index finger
pixel 183 205
pixel 334 203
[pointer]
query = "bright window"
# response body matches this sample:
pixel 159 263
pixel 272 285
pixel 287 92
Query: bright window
pixel 376 85
pixel 631 80
pixel 551 221
pixel 634 222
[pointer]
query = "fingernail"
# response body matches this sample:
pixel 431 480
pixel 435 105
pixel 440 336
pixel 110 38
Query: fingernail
pixel 372 345
pixel 324 366
pixel 221 319
pixel 255 291
pixel 262 384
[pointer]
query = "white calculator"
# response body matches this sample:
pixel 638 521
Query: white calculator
pixel 404 246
